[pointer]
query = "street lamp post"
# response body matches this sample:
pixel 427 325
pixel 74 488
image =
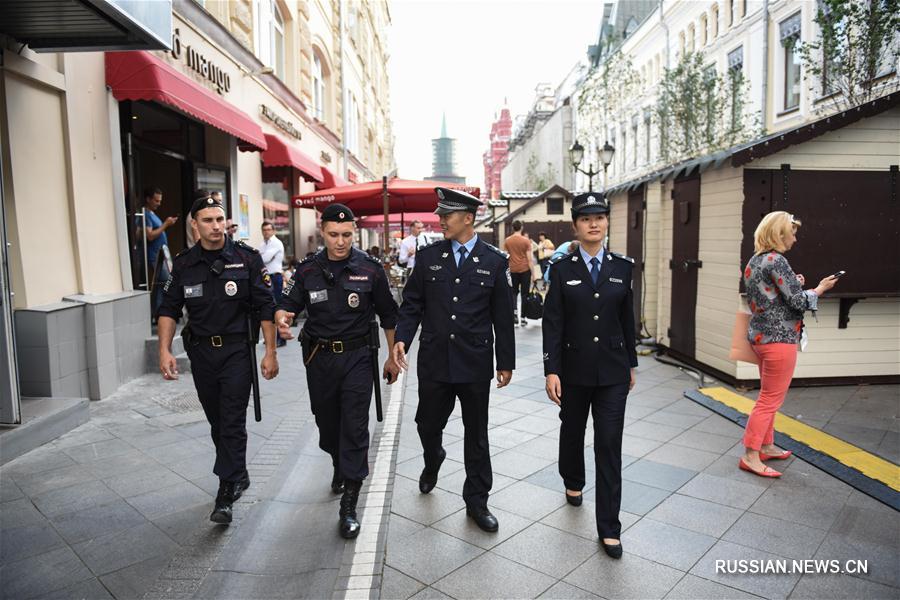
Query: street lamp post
pixel 576 155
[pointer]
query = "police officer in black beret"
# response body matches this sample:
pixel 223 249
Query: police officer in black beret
pixel 460 291
pixel 589 359
pixel 342 289
pixel 219 281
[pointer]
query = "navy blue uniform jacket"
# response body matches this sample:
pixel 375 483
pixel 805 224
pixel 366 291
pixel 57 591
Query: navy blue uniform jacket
pixel 463 312
pixel 589 330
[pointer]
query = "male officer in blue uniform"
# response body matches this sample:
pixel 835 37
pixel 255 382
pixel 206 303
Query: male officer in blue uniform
pixel 219 281
pixel 460 291
pixel 589 360
pixel 342 289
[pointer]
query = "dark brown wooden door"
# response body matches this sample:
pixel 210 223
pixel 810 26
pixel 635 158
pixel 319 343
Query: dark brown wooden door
pixel 635 249
pixel 685 264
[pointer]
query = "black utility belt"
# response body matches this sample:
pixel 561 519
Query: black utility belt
pixel 337 346
pixel 217 341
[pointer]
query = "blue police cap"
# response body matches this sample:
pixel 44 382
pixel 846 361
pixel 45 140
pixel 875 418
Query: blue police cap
pixel 589 203
pixel 455 200
pixel 337 213
pixel 202 202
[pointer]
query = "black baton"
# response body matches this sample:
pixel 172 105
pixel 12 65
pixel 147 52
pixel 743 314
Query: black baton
pixel 251 342
pixel 374 344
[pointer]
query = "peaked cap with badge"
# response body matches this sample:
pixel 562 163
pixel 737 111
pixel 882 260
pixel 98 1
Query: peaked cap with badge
pixel 589 203
pixel 455 201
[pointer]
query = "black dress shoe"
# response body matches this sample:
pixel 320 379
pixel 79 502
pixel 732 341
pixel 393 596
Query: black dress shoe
pixel 348 524
pixel 224 499
pixel 612 550
pixel 337 482
pixel 483 518
pixel 428 478
pixel 575 500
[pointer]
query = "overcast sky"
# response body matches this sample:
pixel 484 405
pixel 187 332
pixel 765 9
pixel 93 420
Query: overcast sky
pixel 463 57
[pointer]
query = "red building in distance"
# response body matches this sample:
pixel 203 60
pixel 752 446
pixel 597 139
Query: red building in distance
pixel 496 157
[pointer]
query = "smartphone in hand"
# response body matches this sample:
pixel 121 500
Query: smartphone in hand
pixel 838 274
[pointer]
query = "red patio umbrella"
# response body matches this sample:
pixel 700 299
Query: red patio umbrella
pixel 375 221
pixel 385 197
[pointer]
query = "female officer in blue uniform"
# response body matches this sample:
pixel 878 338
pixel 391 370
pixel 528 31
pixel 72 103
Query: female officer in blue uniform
pixel 589 360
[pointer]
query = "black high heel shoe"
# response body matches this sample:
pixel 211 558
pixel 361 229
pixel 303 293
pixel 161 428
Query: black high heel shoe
pixel 574 500
pixel 612 550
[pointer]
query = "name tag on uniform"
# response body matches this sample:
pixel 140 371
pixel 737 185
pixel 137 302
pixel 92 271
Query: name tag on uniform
pixel 317 296
pixel 614 280
pixel 193 291
pixel 235 266
pixel 573 282
pixel 359 278
pixel 482 272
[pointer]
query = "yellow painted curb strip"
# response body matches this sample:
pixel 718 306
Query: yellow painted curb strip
pixel 847 454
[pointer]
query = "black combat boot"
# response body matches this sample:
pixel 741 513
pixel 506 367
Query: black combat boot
pixel 349 526
pixel 224 499
pixel 240 486
pixel 337 482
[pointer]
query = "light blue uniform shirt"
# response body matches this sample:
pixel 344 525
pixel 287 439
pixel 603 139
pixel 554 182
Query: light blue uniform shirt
pixel 469 245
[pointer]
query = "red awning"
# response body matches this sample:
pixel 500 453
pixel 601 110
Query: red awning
pixel 366 198
pixel 142 76
pixel 281 154
pixel 331 179
pixel 396 219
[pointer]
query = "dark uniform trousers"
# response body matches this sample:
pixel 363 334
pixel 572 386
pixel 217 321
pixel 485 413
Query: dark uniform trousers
pixel 436 402
pixel 607 403
pixel 340 392
pixel 222 378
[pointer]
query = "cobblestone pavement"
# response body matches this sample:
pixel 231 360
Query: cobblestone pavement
pixel 118 507
pixel 685 505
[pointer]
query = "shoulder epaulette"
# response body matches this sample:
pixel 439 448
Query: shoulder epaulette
pixel 182 253
pixel 559 258
pixel 621 256
pixel 245 246
pixel 497 250
pixel 434 243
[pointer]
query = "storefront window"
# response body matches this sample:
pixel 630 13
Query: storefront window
pixel 213 180
pixel 276 198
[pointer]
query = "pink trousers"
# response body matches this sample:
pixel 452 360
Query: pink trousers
pixel 776 368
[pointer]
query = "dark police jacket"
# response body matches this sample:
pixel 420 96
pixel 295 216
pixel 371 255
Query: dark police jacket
pixel 341 309
pixel 589 330
pixel 461 310
pixel 218 304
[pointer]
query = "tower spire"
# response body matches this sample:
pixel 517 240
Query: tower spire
pixel 444 125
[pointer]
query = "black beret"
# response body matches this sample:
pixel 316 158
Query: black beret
pixel 204 202
pixel 589 203
pixel 455 200
pixel 337 213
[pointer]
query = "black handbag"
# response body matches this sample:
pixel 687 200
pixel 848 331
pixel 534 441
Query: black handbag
pixel 533 304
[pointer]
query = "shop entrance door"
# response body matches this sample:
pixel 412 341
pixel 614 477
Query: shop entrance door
pixel 9 378
pixel 685 265
pixel 634 244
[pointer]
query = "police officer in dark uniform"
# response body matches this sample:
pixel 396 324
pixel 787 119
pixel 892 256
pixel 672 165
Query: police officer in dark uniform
pixel 460 291
pixel 219 281
pixel 589 359
pixel 342 289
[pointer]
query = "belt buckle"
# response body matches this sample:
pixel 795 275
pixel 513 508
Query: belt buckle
pixel 337 347
pixel 216 341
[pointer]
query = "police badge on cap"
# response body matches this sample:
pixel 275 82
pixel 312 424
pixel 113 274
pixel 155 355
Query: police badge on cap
pixel 590 203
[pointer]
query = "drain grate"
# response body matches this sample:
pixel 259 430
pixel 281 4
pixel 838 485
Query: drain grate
pixel 184 402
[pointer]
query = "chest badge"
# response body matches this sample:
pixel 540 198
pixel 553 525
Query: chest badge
pixel 444 255
pixel 435 267
pixel 475 259
pixel 230 288
pixel 353 300
pixel 573 282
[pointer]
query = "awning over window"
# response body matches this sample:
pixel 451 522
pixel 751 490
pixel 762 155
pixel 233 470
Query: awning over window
pixel 142 76
pixel 281 154
pixel 332 179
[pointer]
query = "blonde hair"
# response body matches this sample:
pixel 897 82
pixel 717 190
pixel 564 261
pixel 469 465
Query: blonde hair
pixel 770 232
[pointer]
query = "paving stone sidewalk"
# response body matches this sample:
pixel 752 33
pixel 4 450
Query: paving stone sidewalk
pixel 685 504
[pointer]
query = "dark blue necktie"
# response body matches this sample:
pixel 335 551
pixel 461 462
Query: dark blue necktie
pixel 595 270
pixel 462 255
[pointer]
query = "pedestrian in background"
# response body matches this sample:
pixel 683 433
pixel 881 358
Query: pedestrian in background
pixel 777 303
pixel 410 245
pixel 460 294
pixel 219 281
pixel 155 229
pixel 589 360
pixel 545 250
pixel 272 252
pixel 342 289
pixel 519 249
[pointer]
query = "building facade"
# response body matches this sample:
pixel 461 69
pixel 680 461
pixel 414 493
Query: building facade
pixel 495 158
pixel 257 99
pixel 688 216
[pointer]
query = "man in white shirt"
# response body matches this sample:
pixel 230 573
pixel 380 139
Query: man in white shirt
pixel 409 245
pixel 272 252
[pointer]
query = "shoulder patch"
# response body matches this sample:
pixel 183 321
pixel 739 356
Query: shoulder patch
pixel 621 257
pixel 497 250
pixel 371 258
pixel 307 259
pixel 245 246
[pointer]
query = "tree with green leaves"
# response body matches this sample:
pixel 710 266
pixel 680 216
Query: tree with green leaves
pixel 536 178
pixel 604 93
pixel 857 47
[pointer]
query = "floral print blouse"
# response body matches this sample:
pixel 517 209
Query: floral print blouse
pixel 777 300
